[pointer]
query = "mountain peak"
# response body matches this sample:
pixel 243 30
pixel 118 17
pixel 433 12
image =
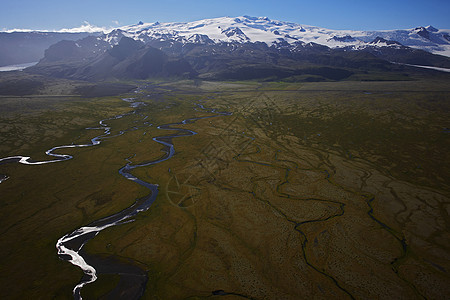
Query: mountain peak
pixel 431 28
pixel 423 32
pixel 379 41
pixel 125 46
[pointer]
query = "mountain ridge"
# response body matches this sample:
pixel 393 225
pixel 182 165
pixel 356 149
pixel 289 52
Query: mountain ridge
pixel 168 58
pixel 262 29
pixel 243 48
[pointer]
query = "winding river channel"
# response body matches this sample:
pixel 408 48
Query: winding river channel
pixel 70 247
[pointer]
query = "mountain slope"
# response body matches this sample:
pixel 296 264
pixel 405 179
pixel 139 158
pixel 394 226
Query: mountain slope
pixel 128 59
pixel 133 59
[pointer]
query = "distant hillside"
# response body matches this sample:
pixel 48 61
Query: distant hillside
pixel 27 47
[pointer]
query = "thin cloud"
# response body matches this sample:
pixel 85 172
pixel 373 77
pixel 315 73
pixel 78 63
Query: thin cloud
pixel 86 27
pixel 21 30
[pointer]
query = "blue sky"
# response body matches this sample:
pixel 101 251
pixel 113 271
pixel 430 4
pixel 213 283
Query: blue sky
pixel 348 14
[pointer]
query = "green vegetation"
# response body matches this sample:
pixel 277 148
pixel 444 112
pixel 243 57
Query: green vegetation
pixel 325 190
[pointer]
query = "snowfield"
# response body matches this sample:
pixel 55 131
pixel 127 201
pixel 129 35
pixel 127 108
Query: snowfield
pixel 272 32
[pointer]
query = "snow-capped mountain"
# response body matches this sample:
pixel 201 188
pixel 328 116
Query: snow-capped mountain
pixel 246 48
pixel 252 29
pixel 22 46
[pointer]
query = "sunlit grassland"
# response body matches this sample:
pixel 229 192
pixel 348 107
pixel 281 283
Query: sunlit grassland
pixel 308 190
pixel 298 199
